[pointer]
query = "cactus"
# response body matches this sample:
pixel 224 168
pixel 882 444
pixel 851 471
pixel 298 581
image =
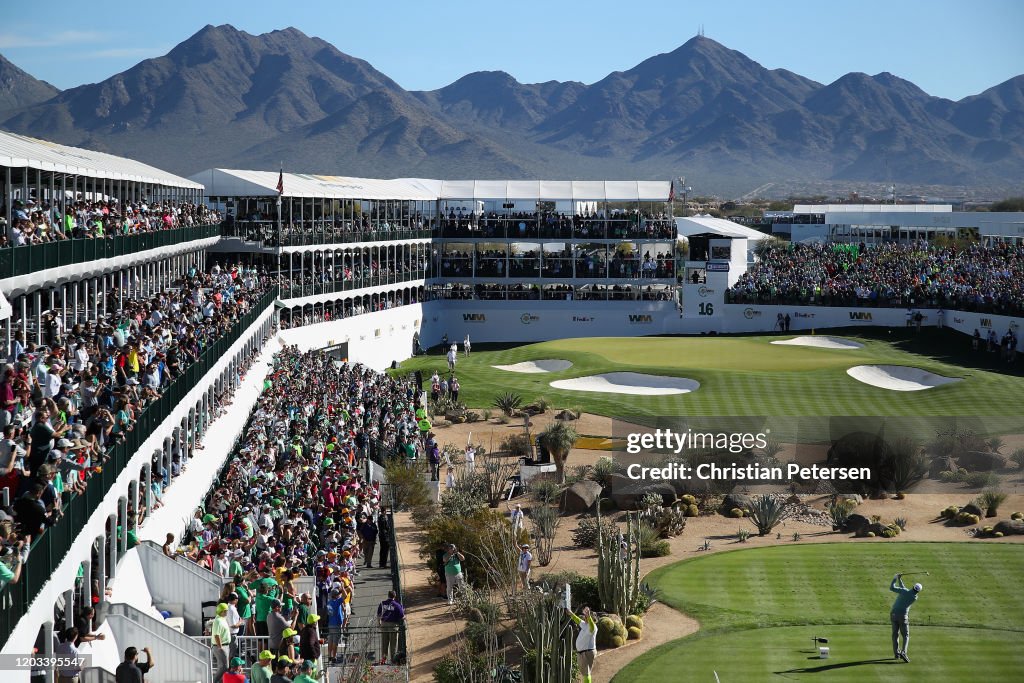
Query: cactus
pixel 618 568
pixel 543 629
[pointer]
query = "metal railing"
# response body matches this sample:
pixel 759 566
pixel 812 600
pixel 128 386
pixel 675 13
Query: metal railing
pixel 357 282
pixel 315 233
pixel 49 549
pixel 33 258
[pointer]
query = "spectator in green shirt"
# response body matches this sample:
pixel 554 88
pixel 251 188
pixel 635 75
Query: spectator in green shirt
pixel 263 669
pixel 306 670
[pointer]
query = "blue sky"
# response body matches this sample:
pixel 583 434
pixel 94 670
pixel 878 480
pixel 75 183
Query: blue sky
pixel 948 48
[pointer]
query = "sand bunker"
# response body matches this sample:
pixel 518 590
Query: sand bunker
pixel 821 342
pixel 531 366
pixel 629 383
pixel 898 377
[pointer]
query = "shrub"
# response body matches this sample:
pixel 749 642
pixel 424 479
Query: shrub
pixel 994 443
pixel 659 549
pixel 889 532
pixel 998 534
pixel 647 596
pixel 576 473
pixel 603 469
pixel 692 511
pixel 503 419
pixel 634 621
pixel 545 521
pixel 484 528
pixel 742 535
pixel 633 633
pixel 585 592
pixel 585 535
pixel 1017 457
pixel 668 522
pixel 508 403
pixel 545 490
pixel 688 499
pixel 950 477
pixel 472 416
pixel 990 502
pixel 618 641
pixel 736 513
pixel 901 522
pixel 407 481
pixel 486 414
pixel 478 635
pixel 950 513
pixel 986 530
pixel 651 544
pixel 767 512
pixel 870 534
pixel 980 480
pixel 907 464
pixel 543 404
pixel 462 501
pixel 516 445
pixel 839 512
pixel 649 500
pixel 1017 515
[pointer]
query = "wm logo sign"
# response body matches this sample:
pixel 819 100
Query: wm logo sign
pixel 474 317
pixel 986 322
pixel 640 318
pixel 860 315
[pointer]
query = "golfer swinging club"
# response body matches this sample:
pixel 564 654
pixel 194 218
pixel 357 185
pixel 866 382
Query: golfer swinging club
pixel 900 615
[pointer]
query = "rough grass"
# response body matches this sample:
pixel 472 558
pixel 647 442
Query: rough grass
pixel 759 608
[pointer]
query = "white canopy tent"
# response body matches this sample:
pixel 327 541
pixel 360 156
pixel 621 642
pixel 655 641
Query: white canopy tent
pixel 19 151
pixel 583 190
pixel 701 225
pixel 226 182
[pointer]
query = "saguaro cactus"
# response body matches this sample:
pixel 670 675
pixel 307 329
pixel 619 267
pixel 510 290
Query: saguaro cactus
pixel 545 633
pixel 618 567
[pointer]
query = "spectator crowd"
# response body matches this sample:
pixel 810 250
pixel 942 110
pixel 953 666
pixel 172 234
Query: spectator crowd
pixel 35 222
pixel 977 277
pixel 65 403
pixel 293 501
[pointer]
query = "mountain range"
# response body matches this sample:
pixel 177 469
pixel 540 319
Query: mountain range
pixel 226 98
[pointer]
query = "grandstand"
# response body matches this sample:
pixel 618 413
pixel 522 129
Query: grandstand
pixel 145 314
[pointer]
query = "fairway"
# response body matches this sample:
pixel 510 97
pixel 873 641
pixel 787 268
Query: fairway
pixel 737 376
pixel 759 608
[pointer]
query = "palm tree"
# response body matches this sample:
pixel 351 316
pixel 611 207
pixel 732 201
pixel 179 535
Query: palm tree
pixel 558 439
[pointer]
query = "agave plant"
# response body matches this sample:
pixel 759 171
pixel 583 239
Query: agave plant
pixel 508 403
pixel 767 512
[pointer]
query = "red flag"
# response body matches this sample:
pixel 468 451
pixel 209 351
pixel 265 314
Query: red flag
pixel 671 191
pixel 280 183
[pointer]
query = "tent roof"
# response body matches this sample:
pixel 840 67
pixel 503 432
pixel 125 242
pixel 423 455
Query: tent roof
pixel 224 182
pixel 698 225
pixel 19 151
pixel 227 182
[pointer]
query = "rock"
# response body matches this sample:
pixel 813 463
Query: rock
pixel 979 461
pixel 940 465
pixel 877 528
pixel 627 492
pixel 856 524
pixel 973 509
pixel 737 500
pixel 1010 527
pixel 566 415
pixel 580 496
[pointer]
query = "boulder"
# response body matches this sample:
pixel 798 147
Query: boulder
pixel 566 415
pixel 737 500
pixel 980 461
pixel 973 509
pixel 940 465
pixel 627 492
pixel 580 496
pixel 856 524
pixel 1010 527
pixel 877 528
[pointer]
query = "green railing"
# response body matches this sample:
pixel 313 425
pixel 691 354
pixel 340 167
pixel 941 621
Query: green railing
pixel 314 234
pixel 50 548
pixel 15 261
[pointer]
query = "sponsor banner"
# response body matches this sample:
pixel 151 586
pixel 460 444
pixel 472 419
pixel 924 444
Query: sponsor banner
pixel 703 291
pixel 751 313
pixel 527 318
pixel 640 318
pixel 717 267
pixel 583 318
pixel 861 316
pixel 474 317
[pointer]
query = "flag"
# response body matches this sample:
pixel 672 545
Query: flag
pixel 671 191
pixel 280 183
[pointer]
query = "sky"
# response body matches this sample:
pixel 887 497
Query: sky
pixel 949 48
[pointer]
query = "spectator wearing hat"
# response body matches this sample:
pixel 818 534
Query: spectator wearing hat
pixel 289 638
pixel 525 565
pixel 221 639
pixel 335 623
pixel 282 670
pixel 309 638
pixel 263 670
pixel 390 616
pixel 235 673
pixel 307 672
pixel 368 531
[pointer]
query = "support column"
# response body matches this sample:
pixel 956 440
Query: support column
pixel 69 608
pixel 122 538
pixel 38 301
pixel 87 583
pixel 111 548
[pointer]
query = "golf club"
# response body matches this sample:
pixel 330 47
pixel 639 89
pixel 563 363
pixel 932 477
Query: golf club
pixel 914 573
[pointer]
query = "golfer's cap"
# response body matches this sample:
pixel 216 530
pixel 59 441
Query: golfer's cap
pixel 918 587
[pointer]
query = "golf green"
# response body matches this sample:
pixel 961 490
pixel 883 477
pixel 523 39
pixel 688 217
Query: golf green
pixel 739 376
pixel 759 608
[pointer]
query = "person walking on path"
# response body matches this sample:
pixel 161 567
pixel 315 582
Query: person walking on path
pixel 368 533
pixel 390 615
pixel 525 564
pixel 466 345
pixel 899 615
pixel 383 537
pixel 453 578
pixel 453 357
pixel 586 641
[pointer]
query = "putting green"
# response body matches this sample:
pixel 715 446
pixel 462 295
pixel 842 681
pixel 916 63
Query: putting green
pixel 759 608
pixel 739 376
